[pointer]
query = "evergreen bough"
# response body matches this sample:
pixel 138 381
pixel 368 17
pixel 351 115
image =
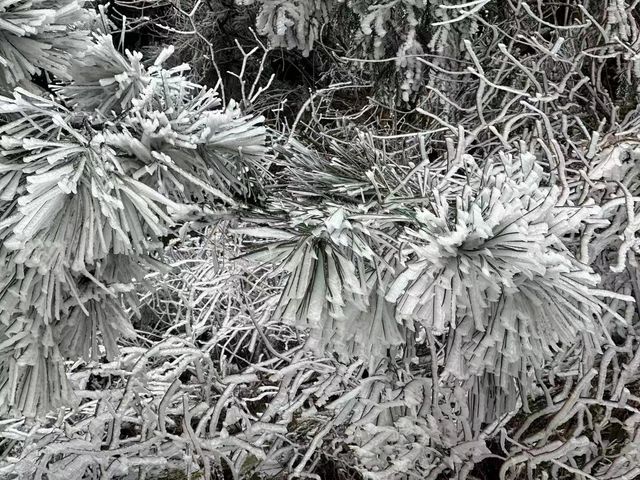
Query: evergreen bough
pixel 91 180
pixel 40 36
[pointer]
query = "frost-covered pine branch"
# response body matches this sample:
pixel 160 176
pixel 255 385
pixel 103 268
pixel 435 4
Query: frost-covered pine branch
pixel 88 193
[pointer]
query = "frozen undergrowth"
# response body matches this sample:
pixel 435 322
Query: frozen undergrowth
pixel 213 385
pixel 440 292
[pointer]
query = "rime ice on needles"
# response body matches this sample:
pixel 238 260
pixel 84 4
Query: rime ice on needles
pixel 86 194
pixel 489 269
pixel 293 23
pixel 334 281
pixel 37 35
pixel 104 80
